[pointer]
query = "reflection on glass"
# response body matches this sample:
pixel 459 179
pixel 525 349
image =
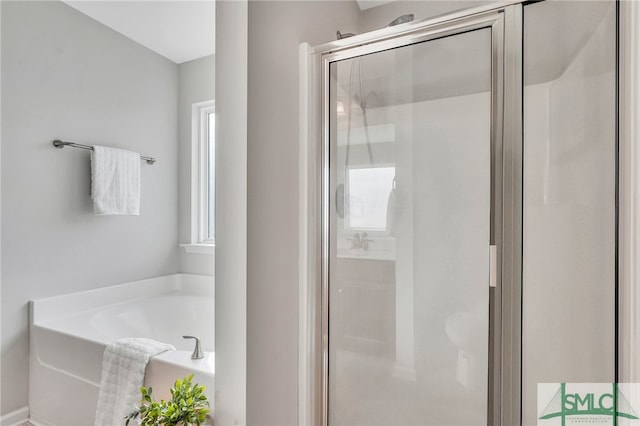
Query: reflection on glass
pixel 409 234
pixel 368 192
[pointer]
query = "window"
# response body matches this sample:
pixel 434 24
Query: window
pixel 203 173
pixel 211 183
pixel 368 190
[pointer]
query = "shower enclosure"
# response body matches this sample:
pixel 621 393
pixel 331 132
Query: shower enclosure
pixel 461 239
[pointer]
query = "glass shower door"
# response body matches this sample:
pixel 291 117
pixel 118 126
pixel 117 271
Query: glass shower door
pixel 409 214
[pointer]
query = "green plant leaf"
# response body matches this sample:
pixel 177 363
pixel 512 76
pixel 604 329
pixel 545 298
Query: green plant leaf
pixel 188 405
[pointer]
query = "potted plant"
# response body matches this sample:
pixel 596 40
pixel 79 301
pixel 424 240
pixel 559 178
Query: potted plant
pixel 188 406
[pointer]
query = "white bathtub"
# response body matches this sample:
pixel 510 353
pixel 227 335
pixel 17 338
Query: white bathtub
pixel 69 334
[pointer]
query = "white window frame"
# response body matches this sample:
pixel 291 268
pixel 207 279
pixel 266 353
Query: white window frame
pixel 200 241
pixel 378 232
pixel 382 245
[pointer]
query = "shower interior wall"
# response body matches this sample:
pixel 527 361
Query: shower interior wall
pixel 569 205
pixel 399 341
pixel 569 219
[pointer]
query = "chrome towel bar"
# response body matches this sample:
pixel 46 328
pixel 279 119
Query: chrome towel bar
pixel 61 144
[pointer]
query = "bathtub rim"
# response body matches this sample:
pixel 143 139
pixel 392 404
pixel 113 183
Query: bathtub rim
pixel 42 310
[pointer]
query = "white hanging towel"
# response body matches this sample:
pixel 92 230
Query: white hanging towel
pixel 115 181
pixel 123 365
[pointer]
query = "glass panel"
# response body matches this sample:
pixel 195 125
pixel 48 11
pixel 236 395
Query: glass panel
pixel 410 161
pixel 569 196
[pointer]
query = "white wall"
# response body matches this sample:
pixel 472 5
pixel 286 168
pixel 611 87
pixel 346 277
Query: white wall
pixel 231 212
pixel 66 76
pixel 197 80
pixel 275 31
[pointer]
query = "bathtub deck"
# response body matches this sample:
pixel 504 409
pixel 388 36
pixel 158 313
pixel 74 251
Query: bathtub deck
pixel 68 335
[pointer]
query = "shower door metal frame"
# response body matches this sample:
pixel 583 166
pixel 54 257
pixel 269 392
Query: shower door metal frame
pixel 505 21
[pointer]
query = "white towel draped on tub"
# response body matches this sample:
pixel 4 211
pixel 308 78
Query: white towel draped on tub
pixel 115 181
pixel 123 366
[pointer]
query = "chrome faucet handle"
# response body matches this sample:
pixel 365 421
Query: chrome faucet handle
pixel 197 351
pixel 356 242
pixel 364 241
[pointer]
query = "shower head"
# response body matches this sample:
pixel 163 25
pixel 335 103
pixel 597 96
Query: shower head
pixel 401 20
pixel 340 35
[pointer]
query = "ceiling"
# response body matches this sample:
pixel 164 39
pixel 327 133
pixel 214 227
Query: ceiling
pixel 179 30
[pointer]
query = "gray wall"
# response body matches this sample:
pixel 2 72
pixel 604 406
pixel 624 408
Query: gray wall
pixel 275 31
pixel 66 76
pixel 197 80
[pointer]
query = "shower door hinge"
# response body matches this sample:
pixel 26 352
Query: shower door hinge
pixel 493 265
